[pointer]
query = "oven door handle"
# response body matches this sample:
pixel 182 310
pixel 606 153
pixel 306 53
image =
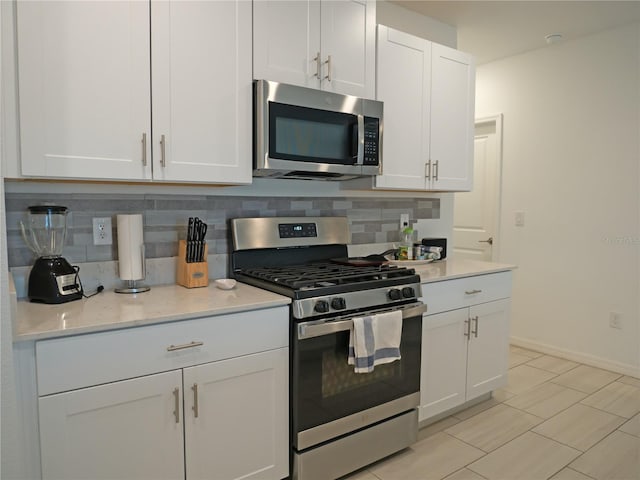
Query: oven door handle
pixel 313 329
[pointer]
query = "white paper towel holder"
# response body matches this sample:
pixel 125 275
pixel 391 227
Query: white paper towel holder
pixel 132 286
pixel 130 234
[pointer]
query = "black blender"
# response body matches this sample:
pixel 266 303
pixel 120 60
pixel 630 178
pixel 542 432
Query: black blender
pixel 52 278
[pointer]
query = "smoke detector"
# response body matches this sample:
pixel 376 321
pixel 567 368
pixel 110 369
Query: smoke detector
pixel 553 38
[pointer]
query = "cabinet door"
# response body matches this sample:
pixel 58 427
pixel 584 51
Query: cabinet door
pixel 452 118
pixel 202 91
pixel 444 362
pixel 84 89
pixel 121 430
pixel 238 427
pixel 348 30
pixel 488 351
pixel 286 41
pixel 406 108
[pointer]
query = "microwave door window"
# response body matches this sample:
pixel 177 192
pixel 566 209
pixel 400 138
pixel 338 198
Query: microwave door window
pixel 311 135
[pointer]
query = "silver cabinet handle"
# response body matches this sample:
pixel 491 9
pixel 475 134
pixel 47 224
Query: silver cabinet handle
pixel 176 405
pixel 318 61
pixel 488 240
pixel 436 170
pixel 173 348
pixel 328 62
pixel 195 400
pixel 144 149
pixel 475 332
pixel 467 329
pixel 427 170
pixel 163 158
pixel 472 292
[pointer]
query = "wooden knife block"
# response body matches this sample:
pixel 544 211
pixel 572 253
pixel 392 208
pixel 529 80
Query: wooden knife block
pixel 191 275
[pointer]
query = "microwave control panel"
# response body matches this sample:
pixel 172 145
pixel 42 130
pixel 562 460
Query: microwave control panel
pixel 371 141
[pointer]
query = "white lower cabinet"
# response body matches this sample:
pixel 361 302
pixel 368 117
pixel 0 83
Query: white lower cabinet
pixel 121 430
pixel 224 419
pixel 464 350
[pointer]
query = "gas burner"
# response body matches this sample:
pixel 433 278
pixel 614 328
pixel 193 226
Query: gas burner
pixel 325 274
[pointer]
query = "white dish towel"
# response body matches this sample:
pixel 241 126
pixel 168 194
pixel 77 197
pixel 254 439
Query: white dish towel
pixel 375 340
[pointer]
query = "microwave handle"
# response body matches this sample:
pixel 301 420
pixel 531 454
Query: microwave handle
pixel 360 150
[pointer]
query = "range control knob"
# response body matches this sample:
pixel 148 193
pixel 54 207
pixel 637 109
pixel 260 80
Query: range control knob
pixel 321 306
pixel 394 294
pixel 408 292
pixel 338 303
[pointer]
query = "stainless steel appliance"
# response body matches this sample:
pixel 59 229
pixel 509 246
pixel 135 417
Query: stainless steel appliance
pixel 52 278
pixel 340 420
pixel 303 133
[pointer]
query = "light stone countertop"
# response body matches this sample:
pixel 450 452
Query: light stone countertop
pixel 164 303
pixel 109 310
pixel 452 268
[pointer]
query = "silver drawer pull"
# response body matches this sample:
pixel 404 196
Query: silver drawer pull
pixel 173 348
pixel 472 292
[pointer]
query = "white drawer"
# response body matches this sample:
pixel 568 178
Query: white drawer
pixel 463 292
pixel 83 360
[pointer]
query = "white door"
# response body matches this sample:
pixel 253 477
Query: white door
pixel 488 351
pixel 286 41
pixel 348 30
pixel 475 217
pixel 239 428
pixel 452 113
pixel 406 110
pixel 84 89
pixel 444 362
pixel 202 91
pixel 122 430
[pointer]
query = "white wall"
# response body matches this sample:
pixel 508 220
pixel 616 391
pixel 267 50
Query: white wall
pixel 571 163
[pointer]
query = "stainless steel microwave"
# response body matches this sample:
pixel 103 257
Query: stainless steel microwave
pixel 302 133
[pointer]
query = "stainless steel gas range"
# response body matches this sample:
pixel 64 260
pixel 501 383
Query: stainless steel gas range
pixel 340 420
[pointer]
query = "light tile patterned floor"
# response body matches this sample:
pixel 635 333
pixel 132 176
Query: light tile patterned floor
pixel 555 419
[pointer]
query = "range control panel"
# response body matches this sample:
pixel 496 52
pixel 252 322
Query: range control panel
pixel 297 230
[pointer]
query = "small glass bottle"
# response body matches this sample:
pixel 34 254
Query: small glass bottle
pixel 405 252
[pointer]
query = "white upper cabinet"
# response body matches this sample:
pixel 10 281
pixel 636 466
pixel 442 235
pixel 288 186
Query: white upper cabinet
pixel 86 77
pixel 328 45
pixel 428 94
pixel 84 89
pixel 406 108
pixel 201 77
pixel 452 118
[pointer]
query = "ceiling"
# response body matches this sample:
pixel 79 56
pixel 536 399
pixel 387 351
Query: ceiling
pixel 496 29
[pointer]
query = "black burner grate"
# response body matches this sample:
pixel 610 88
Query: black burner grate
pixel 325 274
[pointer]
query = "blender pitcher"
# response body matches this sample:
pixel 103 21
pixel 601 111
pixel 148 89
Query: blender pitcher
pixel 52 278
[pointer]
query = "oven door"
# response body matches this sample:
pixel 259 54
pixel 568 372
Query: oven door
pixel 329 400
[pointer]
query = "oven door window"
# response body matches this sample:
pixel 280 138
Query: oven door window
pixel 325 387
pixel 311 135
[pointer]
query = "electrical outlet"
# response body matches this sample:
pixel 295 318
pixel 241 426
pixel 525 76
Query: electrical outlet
pixel 519 219
pixel 404 218
pixel 102 231
pixel 615 320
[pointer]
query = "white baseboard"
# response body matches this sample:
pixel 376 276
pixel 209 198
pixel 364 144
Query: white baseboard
pixel 592 360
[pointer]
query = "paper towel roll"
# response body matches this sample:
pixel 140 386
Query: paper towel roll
pixel 130 247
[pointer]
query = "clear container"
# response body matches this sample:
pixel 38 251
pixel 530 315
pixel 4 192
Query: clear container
pixel 46 230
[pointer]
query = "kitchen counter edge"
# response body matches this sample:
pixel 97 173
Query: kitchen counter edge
pixel 453 268
pixel 112 311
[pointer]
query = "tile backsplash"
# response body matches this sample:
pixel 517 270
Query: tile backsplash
pixel 371 220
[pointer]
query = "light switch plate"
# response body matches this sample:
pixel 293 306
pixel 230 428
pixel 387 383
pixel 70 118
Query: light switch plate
pixel 519 219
